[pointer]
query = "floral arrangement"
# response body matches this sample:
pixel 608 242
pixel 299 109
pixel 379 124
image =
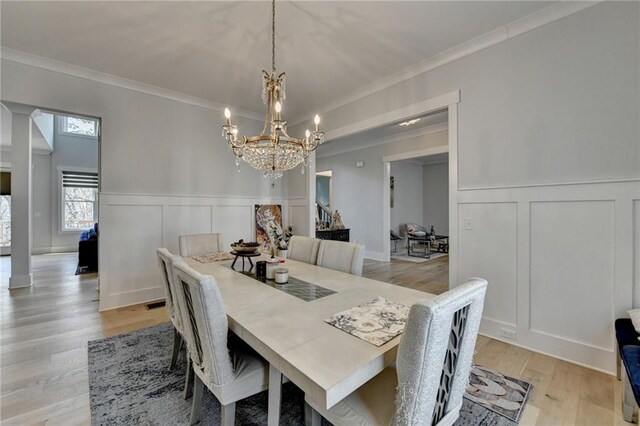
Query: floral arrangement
pixel 279 237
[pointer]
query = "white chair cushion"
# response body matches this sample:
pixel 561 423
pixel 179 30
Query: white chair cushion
pixel 371 404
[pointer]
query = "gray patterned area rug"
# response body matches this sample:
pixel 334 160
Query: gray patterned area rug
pixel 130 384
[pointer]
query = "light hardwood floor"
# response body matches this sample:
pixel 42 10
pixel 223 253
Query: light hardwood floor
pixel 45 329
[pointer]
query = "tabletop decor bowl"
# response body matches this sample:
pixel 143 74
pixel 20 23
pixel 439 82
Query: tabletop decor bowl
pixel 245 247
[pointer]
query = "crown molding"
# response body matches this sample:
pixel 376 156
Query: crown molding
pixel 520 26
pixel 331 151
pixel 112 80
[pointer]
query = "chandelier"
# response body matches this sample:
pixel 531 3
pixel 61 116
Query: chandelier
pixel 273 150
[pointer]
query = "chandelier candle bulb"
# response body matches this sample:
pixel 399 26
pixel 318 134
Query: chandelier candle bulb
pixel 272 150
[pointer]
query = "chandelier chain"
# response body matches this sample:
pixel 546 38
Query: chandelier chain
pixel 273 36
pixel 273 150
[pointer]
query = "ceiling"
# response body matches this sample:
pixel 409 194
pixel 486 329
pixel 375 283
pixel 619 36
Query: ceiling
pixel 431 159
pixel 385 134
pixel 215 50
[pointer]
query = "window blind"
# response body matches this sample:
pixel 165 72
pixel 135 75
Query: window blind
pixel 79 180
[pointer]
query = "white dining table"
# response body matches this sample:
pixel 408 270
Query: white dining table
pixel 290 333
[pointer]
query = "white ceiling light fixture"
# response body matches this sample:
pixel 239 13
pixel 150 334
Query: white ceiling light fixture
pixel 409 122
pixel 275 151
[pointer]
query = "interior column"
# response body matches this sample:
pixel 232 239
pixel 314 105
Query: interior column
pixel 21 203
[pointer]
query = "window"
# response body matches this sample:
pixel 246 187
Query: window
pixel 79 200
pixel 5 209
pixel 79 126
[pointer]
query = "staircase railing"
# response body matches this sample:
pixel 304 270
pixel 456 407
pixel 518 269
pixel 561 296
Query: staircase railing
pixel 323 214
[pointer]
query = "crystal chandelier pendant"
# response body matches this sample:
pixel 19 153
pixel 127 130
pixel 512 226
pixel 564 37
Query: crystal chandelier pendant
pixel 273 150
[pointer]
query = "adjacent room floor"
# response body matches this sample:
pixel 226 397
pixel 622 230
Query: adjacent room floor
pixel 45 330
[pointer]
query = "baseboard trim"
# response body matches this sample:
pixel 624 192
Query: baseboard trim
pixel 54 249
pixel 374 255
pixel 130 298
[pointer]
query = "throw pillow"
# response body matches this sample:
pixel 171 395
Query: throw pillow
pixel 634 314
pixel 411 228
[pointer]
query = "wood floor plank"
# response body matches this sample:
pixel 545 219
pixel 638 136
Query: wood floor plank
pixel 44 331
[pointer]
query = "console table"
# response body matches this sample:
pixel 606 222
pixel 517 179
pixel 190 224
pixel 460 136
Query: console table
pixel 336 235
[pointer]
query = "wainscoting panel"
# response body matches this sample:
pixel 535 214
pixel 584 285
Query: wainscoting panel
pixel 185 220
pixel 577 264
pixel 491 255
pixel 636 253
pixel 298 216
pixel 573 243
pixel 234 223
pixel 130 255
pixel 132 227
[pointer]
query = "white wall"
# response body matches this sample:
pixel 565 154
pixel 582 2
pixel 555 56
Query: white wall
pixel 546 118
pixel 436 197
pixel 151 146
pixel 361 209
pixel 408 195
pixel 43 197
pixel 70 152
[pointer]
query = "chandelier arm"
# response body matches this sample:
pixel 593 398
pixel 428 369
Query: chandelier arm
pixel 236 144
pixel 266 119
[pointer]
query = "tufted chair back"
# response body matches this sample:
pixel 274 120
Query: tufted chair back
pixel 435 354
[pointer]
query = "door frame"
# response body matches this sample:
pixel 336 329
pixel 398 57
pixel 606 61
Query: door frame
pixel 447 101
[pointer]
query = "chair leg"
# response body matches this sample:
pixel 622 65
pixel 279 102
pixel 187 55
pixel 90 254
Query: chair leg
pixel 188 380
pixel 177 343
pixel 618 362
pixel 311 416
pixel 629 405
pixel 198 389
pixel 228 414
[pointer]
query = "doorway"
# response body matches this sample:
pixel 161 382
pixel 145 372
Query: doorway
pixel 419 208
pixel 324 202
pixel 5 211
pixel 62 188
pixel 360 156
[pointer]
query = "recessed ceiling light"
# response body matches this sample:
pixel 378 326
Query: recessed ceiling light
pixel 410 122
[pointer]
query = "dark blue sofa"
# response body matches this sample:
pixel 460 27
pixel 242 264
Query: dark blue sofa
pixel 88 251
pixel 629 357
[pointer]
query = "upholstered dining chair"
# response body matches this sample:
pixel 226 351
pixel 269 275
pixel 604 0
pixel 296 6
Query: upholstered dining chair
pixel 221 361
pixel 303 249
pixel 431 371
pixel 193 245
pixel 166 261
pixel 341 256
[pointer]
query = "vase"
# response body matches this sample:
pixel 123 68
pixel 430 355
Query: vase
pixel 282 254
